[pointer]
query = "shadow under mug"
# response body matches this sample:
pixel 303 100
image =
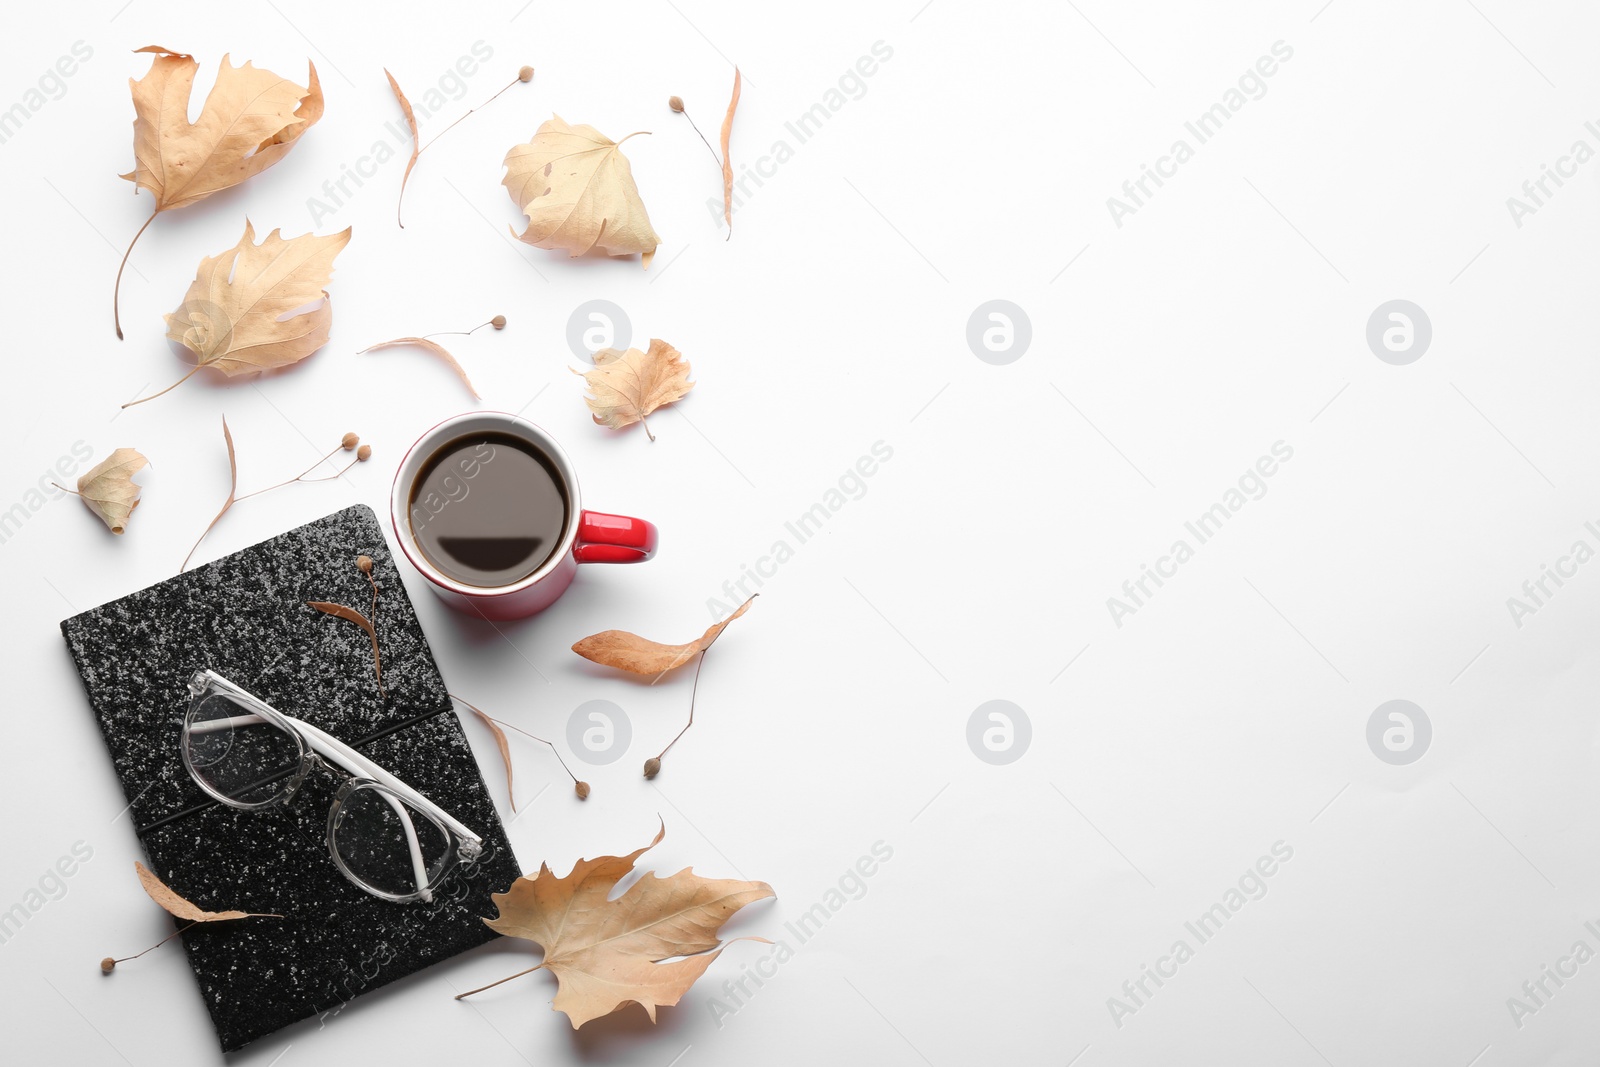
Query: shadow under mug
pixel 589 537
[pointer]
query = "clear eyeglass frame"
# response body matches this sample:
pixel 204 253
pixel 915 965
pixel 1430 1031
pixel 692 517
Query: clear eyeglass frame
pixel 313 747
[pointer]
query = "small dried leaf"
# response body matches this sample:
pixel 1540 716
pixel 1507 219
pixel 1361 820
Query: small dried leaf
pixel 630 652
pixel 352 615
pixel 505 750
pixel 416 143
pixel 233 487
pixel 577 189
pixel 607 953
pixel 431 346
pixel 727 163
pixel 624 387
pixel 180 908
pixel 109 489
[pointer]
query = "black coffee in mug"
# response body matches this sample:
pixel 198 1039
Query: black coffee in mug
pixel 488 509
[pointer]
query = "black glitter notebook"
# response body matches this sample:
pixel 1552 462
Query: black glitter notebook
pixel 245 617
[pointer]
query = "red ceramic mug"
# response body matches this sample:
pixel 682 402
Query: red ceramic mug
pixel 587 536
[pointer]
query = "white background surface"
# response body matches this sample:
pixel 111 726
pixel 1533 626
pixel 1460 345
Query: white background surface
pixel 1167 755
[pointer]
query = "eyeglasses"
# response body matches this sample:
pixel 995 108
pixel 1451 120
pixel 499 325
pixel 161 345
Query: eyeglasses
pixel 383 835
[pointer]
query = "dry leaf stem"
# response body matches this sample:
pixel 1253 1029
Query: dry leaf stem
pixel 108 963
pixel 503 981
pixel 168 389
pixel 301 477
pixel 652 767
pixel 116 291
pixel 677 105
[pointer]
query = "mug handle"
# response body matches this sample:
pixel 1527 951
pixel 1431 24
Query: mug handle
pixel 604 538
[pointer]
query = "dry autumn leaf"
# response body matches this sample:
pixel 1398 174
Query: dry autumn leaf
pixel 504 744
pixel 607 953
pixel 624 387
pixel 238 313
pixel 352 615
pixel 577 189
pixel 430 346
pixel 180 908
pixel 630 652
pixel 416 142
pixel 251 119
pixel 109 490
pixel 727 161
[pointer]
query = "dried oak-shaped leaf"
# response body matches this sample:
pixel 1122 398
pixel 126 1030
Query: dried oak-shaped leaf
pixel 607 953
pixel 624 387
pixel 109 489
pixel 431 346
pixel 251 119
pixel 180 908
pixel 577 189
pixel 630 652
pixel 352 615
pixel 239 315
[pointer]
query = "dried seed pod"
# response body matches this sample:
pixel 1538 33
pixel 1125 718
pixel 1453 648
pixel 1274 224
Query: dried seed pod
pixel 582 789
pixel 675 103
pixel 498 322
pixel 364 564
pixel 349 441
pixel 652 766
pixel 107 964
pixel 364 453
pixel 525 74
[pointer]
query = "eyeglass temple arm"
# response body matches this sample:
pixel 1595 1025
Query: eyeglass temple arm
pixel 333 748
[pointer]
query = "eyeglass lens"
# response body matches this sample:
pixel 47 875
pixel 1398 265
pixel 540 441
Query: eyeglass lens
pixel 237 754
pixel 386 844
